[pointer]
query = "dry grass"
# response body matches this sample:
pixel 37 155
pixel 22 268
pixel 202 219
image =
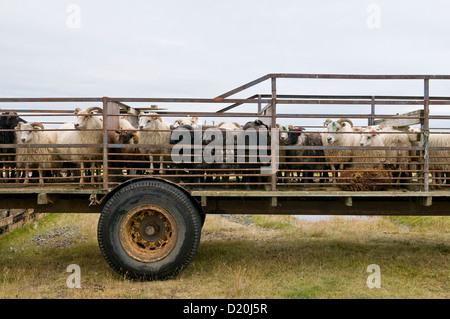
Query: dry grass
pixel 242 257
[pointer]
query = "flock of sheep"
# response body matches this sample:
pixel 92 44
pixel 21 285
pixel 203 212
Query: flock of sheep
pixel 154 137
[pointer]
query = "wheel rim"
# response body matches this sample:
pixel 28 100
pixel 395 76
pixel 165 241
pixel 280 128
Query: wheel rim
pixel 148 233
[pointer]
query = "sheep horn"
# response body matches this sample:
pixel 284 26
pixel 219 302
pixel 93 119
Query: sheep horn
pixel 37 124
pixel 220 124
pixel 327 121
pixel 94 108
pixel 345 120
pixel 237 124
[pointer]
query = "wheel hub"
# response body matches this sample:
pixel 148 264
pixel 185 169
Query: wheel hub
pixel 147 233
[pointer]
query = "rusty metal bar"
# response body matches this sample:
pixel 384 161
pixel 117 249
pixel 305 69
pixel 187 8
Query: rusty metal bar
pixel 273 142
pixel 105 142
pixel 358 76
pixel 426 134
pixel 242 87
pixel 372 112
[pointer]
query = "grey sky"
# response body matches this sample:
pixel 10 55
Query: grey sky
pixel 203 48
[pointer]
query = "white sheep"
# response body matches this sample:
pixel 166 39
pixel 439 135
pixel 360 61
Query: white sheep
pixel 154 131
pixel 439 159
pixel 339 133
pixel 87 129
pixel 398 159
pixel 369 158
pixel 35 157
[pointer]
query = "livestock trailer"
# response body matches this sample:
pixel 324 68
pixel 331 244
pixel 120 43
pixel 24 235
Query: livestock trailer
pixel 155 178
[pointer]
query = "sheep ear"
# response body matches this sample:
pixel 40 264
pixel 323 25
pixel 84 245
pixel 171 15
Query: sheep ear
pixel 195 118
pixel 118 132
pixel 77 110
pixel 18 126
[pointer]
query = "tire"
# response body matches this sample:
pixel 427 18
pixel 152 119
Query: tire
pixel 149 230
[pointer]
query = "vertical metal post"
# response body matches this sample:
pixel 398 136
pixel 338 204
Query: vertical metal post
pixel 372 111
pixel 273 143
pixel 426 134
pixel 105 142
pixel 259 103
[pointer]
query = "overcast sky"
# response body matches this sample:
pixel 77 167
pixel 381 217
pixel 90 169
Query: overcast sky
pixel 203 48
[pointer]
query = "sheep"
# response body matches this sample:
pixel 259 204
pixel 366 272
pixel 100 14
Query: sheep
pixel 439 159
pixel 87 129
pixel 372 158
pixel 8 122
pixel 193 121
pixel 283 135
pixel 297 138
pixel 333 137
pixel 191 162
pixel 34 157
pixel 391 136
pixel 262 131
pixel 366 179
pixel 126 157
pixel 154 131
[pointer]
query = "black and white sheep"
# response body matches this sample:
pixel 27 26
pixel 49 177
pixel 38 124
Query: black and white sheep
pixel 303 160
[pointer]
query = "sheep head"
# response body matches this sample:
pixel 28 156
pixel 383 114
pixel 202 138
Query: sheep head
pixel 256 124
pixel 145 119
pixel 126 137
pixel 188 120
pixel 86 119
pixel 294 135
pixel 335 127
pixel 368 136
pixel 10 121
pixel 284 131
pixel 28 132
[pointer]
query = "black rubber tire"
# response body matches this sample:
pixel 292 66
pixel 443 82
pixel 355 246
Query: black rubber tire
pixel 202 219
pixel 167 197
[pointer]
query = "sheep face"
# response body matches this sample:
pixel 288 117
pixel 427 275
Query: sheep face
pixel 284 132
pixel 368 137
pixel 336 127
pixel 146 119
pixel 87 119
pixel 124 137
pixel 294 136
pixel 28 132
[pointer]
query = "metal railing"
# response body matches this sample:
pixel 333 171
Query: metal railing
pixel 416 166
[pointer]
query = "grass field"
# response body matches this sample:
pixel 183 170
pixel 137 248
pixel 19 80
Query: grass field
pixel 262 256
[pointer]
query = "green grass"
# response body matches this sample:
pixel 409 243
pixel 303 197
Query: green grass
pixel 270 257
